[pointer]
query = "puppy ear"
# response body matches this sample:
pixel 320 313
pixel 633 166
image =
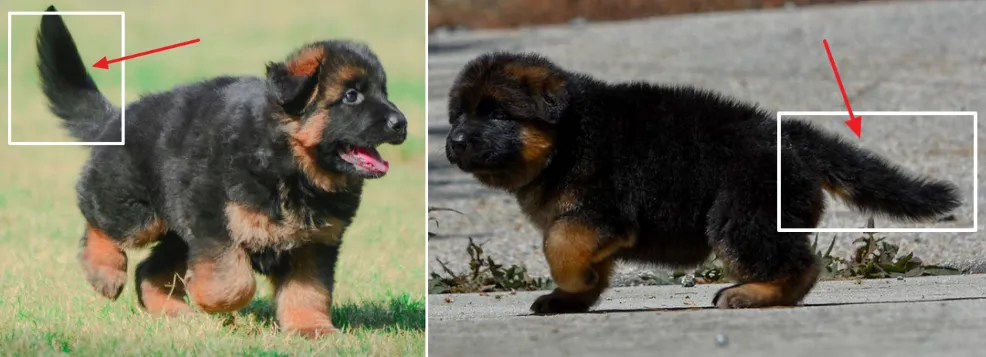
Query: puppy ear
pixel 295 81
pixel 546 85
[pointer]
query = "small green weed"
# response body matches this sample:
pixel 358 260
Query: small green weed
pixel 710 272
pixel 874 258
pixel 484 275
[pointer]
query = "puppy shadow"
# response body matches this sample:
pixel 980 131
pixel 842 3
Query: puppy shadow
pixel 392 314
pixel 617 311
pixel 799 306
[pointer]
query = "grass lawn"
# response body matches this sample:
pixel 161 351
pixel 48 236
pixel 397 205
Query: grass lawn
pixel 47 307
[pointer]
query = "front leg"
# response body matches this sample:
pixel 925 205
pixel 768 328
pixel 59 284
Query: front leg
pixel 303 291
pixel 580 257
pixel 560 301
pixel 220 277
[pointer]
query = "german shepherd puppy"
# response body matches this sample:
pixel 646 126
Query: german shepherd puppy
pixel 228 176
pixel 660 174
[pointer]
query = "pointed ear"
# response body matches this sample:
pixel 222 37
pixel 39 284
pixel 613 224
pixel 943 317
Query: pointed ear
pixel 546 85
pixel 295 81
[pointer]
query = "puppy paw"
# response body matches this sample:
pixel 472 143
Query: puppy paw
pixel 107 282
pixel 752 295
pixel 313 332
pixel 731 298
pixel 576 282
pixel 560 302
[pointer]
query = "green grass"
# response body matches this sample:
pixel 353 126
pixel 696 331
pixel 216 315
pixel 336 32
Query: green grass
pixel 47 307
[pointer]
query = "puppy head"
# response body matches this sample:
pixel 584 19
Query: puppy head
pixel 335 110
pixel 503 109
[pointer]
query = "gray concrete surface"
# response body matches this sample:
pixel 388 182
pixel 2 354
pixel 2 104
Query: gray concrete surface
pixel 895 56
pixel 928 316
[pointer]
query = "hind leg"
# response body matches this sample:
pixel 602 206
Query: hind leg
pixel 117 217
pixel 772 268
pixel 784 282
pixel 160 277
pixel 103 261
pixel 102 256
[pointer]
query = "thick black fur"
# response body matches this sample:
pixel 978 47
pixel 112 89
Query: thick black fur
pixel 193 149
pixel 686 171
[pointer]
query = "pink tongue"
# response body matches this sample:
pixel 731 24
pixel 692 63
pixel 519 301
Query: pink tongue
pixel 370 161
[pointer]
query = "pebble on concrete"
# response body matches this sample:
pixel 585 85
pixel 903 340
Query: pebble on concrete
pixel 721 340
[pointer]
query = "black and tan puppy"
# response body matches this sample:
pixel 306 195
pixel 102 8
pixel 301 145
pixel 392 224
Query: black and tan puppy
pixel 664 175
pixel 228 176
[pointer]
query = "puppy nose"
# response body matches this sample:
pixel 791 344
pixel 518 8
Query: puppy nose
pixel 396 122
pixel 457 142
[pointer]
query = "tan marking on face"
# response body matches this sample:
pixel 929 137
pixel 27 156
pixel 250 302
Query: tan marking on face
pixel 518 70
pixel 349 72
pixel 309 134
pixel 303 140
pixel 222 284
pixel 255 230
pixel 494 93
pixel 303 300
pixel 538 145
pixel 538 79
pixel 337 82
pixel 306 62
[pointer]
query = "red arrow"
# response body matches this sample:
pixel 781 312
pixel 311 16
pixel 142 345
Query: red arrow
pixel 855 123
pixel 105 64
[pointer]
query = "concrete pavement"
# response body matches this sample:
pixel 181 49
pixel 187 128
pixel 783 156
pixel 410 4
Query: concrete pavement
pixel 940 316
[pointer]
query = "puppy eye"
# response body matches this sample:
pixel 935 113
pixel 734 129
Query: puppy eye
pixel 352 96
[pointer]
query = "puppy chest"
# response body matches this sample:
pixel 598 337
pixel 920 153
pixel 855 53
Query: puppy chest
pixel 257 231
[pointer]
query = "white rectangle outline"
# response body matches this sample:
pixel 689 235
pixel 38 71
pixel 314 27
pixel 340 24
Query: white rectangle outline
pixel 975 175
pixel 123 79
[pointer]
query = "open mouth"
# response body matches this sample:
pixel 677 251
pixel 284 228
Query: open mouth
pixel 365 159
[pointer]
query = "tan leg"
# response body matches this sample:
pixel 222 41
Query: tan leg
pixel 159 278
pixel 787 291
pixel 104 262
pixel 163 295
pixel 304 292
pixel 560 301
pixel 221 282
pixel 581 264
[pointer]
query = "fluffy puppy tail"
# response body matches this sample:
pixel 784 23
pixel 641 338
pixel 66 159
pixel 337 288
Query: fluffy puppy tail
pixel 72 94
pixel 866 181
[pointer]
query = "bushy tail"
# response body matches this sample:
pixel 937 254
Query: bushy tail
pixel 868 182
pixel 72 94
